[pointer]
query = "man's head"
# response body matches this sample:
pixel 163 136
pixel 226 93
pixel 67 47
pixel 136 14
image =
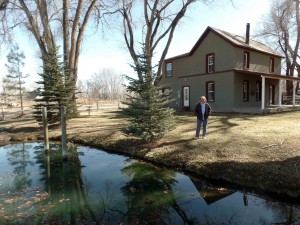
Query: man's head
pixel 202 100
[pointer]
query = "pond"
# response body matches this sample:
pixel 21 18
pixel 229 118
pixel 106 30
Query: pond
pixel 95 187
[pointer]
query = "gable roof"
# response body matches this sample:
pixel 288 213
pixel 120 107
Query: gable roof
pixel 233 39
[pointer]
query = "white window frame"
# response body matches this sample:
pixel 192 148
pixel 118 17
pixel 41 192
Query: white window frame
pixel 246 60
pixel 166 91
pixel 210 90
pixel 210 63
pixel 169 69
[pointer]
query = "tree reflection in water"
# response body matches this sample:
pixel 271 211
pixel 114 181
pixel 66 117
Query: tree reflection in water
pixel 19 158
pixel 150 198
pixel 42 189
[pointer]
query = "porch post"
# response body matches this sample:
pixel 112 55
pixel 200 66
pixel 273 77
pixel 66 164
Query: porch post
pixel 263 82
pixel 280 93
pixel 294 93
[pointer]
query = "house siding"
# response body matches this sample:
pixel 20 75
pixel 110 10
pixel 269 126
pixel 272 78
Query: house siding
pixel 259 62
pixel 238 97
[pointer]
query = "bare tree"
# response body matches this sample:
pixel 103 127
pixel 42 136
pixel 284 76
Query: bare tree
pixel 107 85
pixel 282 28
pixel 103 85
pixel 151 23
pixel 46 19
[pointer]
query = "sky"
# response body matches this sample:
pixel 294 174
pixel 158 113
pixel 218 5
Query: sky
pixel 109 51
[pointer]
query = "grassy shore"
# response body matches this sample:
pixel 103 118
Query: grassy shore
pixel 256 151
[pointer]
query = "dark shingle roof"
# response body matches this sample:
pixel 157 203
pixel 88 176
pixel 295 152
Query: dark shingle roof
pixel 241 41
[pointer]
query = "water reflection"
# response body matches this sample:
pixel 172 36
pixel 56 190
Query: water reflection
pixel 95 187
pixel 150 198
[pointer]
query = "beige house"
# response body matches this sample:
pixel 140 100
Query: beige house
pixel 236 74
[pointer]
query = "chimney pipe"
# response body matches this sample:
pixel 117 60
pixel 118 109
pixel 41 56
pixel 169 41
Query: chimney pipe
pixel 247 33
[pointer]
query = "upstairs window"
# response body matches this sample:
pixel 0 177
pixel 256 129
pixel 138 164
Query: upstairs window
pixel 246 60
pixel 169 69
pixel 210 62
pixel 245 90
pixel 271 69
pixel 210 91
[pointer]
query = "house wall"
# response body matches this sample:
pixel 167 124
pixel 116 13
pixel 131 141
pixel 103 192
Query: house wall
pixel 224 91
pixel 259 62
pixel 196 64
pixel 238 90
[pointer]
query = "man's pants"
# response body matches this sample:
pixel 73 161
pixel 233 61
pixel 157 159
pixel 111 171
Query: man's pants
pixel 199 123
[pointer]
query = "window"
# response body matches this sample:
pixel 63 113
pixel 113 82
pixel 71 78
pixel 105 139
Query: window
pixel 246 60
pixel 258 91
pixel 271 94
pixel 246 91
pixel 210 58
pixel 210 91
pixel 271 65
pixel 166 91
pixel 169 69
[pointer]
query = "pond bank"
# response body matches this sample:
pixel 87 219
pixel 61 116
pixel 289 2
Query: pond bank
pixel 245 150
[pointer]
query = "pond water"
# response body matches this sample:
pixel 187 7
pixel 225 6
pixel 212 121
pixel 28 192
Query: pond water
pixel 95 187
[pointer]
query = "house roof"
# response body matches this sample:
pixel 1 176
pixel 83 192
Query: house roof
pixel 233 39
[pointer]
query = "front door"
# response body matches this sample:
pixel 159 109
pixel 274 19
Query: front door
pixel 186 96
pixel 271 94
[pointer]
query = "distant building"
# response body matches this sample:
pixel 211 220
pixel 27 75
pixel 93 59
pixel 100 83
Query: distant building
pixel 32 94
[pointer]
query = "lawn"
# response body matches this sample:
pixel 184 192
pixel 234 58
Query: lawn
pixel 260 152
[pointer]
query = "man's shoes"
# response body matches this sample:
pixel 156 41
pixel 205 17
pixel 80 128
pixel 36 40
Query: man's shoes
pixel 203 137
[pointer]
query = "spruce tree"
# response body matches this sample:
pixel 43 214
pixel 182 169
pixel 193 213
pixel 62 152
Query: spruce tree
pixel 147 110
pixel 55 89
pixel 15 78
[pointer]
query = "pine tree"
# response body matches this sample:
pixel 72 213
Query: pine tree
pixel 149 116
pixel 55 89
pixel 15 78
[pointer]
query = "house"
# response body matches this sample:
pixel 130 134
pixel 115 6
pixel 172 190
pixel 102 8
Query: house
pixel 235 73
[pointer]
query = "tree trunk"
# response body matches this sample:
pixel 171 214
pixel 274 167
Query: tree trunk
pixel 154 17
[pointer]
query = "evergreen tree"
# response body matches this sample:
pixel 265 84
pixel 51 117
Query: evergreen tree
pixel 55 89
pixel 15 78
pixel 148 114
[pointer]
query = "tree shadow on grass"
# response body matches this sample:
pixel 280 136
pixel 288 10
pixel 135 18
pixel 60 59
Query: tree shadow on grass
pixel 21 121
pixel 170 143
pixel 25 129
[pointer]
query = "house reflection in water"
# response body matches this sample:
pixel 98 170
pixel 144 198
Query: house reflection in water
pixel 211 193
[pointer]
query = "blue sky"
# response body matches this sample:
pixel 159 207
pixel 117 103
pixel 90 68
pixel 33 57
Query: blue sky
pixel 100 52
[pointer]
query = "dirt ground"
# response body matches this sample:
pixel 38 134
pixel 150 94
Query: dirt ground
pixel 259 152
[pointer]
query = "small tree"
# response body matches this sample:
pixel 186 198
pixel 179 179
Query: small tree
pixel 55 89
pixel 15 77
pixel 149 117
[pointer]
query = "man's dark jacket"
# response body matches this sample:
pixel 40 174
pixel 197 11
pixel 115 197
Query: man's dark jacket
pixel 198 111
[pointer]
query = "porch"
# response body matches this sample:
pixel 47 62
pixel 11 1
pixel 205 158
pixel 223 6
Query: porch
pixel 284 102
pixel 268 109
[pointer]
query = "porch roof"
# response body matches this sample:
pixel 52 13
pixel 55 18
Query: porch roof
pixel 268 75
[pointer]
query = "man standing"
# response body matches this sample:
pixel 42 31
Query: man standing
pixel 202 111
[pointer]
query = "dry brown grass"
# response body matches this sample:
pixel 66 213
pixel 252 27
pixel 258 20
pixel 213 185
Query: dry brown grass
pixel 258 151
